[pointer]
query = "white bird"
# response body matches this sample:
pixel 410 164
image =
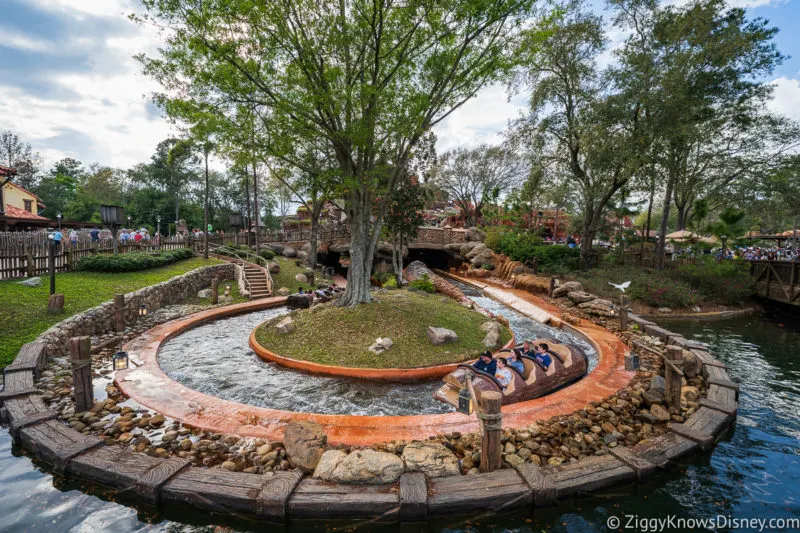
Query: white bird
pixel 621 286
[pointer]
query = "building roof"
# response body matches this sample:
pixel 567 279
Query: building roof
pixel 7 171
pixel 16 212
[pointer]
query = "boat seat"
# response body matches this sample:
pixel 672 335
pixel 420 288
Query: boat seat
pixel 564 353
pixel 530 369
pixel 511 387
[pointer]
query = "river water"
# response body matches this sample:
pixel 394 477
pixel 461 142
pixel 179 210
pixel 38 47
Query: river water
pixel 753 473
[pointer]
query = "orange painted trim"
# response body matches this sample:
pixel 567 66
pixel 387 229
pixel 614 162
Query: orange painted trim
pixel 148 385
pixel 376 374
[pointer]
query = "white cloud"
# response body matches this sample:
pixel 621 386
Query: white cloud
pixel 15 39
pixel 81 8
pixel 786 100
pixel 480 120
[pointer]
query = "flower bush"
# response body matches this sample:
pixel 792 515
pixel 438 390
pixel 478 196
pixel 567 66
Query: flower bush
pixel 663 292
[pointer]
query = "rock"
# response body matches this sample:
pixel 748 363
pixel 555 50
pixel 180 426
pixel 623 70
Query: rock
pixel 441 335
pixel 491 325
pixel 657 383
pixel 514 459
pixel 689 393
pixel 475 235
pixel 277 248
pixel 417 270
pixel 431 458
pixel 275 268
pixel 691 366
pixel 31 282
pixel 664 310
pixel 661 414
pixel 304 442
pixel 301 278
pixel 598 307
pixel 229 465
pixel 492 340
pixel 299 301
pixel 288 251
pixel 580 297
pixel 467 247
pixel 302 255
pixel 360 467
pixel 653 396
pixel 205 293
pixel 381 345
pixel 696 309
pixel 225 300
pixel 264 450
pixel 283 291
pixel 481 255
pixel 285 326
pixel 157 420
pixel 566 288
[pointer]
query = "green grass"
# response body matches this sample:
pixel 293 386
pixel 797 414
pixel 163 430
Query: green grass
pixel 286 276
pixel 341 336
pixel 23 310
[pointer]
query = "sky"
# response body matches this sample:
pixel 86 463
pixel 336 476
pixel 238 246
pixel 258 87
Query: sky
pixel 69 84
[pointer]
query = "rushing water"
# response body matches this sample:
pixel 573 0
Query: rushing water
pixel 754 473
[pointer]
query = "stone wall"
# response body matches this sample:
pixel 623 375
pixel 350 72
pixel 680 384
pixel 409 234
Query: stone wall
pixel 99 320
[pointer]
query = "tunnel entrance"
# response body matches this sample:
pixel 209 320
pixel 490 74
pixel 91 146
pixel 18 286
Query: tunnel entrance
pixel 433 258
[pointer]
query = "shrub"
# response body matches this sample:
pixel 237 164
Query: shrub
pixel 425 283
pixel 726 281
pixel 519 246
pixel 487 266
pixel 132 261
pixel 661 292
pixel 494 236
pixel 267 254
pixel 556 258
pixel 383 277
pixel 391 282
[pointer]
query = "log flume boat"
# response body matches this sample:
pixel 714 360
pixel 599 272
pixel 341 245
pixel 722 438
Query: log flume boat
pixel 569 364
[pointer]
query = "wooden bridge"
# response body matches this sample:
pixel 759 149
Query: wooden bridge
pixel 777 280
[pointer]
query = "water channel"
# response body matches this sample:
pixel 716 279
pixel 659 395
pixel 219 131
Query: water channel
pixel 754 473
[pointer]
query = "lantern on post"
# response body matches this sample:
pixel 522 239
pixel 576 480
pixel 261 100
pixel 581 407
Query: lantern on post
pixel 112 216
pixel 120 360
pixel 142 310
pixel 58 216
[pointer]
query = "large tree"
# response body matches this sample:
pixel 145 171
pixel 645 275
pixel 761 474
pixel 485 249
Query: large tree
pixel 472 177
pixel 365 78
pixel 18 154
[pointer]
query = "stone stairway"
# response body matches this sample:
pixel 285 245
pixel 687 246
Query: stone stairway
pixel 257 280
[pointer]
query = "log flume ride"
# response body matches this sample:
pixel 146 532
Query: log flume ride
pixel 569 364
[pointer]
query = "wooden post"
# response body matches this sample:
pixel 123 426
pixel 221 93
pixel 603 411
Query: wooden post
pixel 535 263
pixel 492 422
pixel 80 354
pixel 623 313
pixel 30 264
pixel 51 266
pixel 55 304
pixel 552 287
pixel 672 376
pixel 119 312
pixel 214 290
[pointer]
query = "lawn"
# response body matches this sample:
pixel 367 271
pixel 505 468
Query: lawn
pixel 341 336
pixel 23 310
pixel 286 276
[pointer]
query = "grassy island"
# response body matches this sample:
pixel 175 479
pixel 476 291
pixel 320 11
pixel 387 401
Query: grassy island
pixel 340 336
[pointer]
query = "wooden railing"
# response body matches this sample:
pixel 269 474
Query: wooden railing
pixel 777 280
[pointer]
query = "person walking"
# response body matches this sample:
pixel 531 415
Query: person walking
pixel 73 238
pixel 57 236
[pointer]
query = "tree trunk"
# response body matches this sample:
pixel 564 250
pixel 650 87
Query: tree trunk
pixel 362 249
pixel 646 235
pixel 587 236
pixel 312 253
pixel 247 199
pixel 256 214
pixel 205 213
pixel 683 213
pixel 662 230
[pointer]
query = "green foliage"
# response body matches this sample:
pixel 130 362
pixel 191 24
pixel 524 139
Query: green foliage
pixel 663 292
pixel 390 282
pixel 132 261
pixel 520 246
pixel 267 254
pixel 726 281
pixel 425 283
pixel 494 238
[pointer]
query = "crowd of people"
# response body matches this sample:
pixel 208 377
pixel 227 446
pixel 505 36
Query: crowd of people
pixel 499 367
pixel 772 253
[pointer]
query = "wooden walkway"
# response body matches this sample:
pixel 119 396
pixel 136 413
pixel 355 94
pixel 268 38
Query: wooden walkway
pixel 777 280
pixel 283 496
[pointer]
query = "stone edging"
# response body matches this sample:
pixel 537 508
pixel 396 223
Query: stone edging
pixel 715 315
pixel 378 374
pixel 287 495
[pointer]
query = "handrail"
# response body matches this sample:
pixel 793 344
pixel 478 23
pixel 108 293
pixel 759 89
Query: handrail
pixel 259 261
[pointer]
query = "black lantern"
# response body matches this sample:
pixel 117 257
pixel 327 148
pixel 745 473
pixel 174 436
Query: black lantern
pixel 142 310
pixel 236 220
pixel 465 405
pixel 120 360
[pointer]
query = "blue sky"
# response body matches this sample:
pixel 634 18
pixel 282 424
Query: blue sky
pixel 70 87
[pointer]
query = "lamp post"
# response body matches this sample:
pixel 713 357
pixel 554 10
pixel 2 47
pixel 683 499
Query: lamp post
pixel 158 230
pixel 129 222
pixel 51 264
pixel 112 216
pixel 58 216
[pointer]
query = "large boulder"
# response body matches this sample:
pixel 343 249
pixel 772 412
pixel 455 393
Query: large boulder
pixel 441 335
pixel 277 248
pixel 566 288
pixel 306 248
pixel 288 251
pixel 275 268
pixel 467 247
pixel 301 278
pixel 302 255
pixel 305 442
pixel 580 297
pixel 491 325
pixel 492 340
pixel 359 467
pixel 299 301
pixel 283 291
pixel 286 326
pixel 31 282
pixel 431 458
pixel 475 235
pixel 416 270
pixel 598 307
